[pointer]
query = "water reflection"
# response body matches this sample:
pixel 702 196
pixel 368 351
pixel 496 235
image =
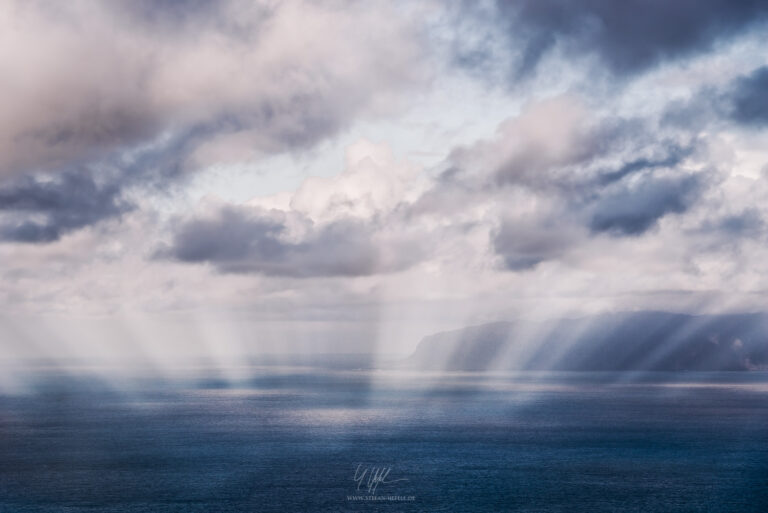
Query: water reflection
pixel 289 439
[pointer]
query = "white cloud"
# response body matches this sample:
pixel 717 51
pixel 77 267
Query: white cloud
pixel 82 78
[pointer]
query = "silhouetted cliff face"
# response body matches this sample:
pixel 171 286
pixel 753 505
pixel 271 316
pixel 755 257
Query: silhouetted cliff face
pixel 614 342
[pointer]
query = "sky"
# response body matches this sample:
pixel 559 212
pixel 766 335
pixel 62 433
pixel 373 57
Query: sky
pixel 181 177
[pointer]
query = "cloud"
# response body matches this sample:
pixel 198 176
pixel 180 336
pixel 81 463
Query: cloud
pixel 373 183
pixel 85 85
pixel 524 243
pixel 352 224
pixel 559 175
pixel 748 223
pixel 670 155
pixel 633 208
pixel 252 240
pixel 42 207
pixel 36 210
pixel 738 99
pixel 118 117
pixel 625 202
pixel 560 144
pixel 628 37
pixel 749 98
pixel 547 135
pixel 83 78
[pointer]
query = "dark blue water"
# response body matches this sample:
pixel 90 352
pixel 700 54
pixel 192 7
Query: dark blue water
pixel 292 439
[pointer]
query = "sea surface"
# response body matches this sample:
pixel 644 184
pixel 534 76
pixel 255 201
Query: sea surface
pixel 304 439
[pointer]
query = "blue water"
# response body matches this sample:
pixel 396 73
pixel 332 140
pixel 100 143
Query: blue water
pixel 291 439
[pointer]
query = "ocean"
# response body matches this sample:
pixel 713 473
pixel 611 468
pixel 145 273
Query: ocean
pixel 304 439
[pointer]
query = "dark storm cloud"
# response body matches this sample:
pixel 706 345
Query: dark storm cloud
pixel 749 98
pixel 633 208
pixel 245 240
pixel 627 37
pixel 743 100
pixel 37 210
pixel 42 207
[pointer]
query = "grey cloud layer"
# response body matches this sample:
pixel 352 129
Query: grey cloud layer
pixel 632 209
pixel 626 37
pixel 741 101
pixel 525 243
pixel 249 240
pixel 63 203
pixel 749 98
pixel 42 207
